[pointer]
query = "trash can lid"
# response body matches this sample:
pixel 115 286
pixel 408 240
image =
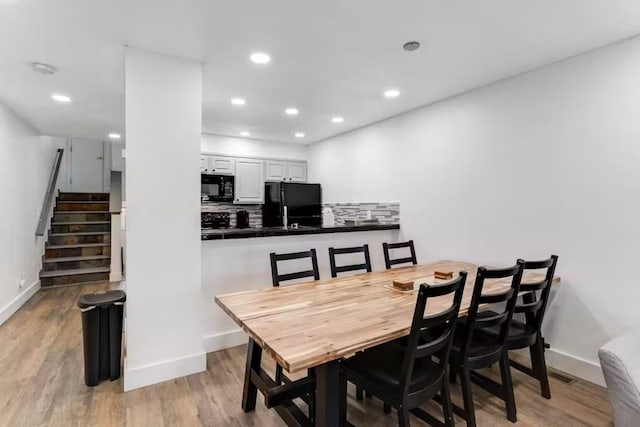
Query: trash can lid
pixel 101 299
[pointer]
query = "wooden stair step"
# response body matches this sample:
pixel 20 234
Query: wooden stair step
pixel 79 212
pixel 81 223
pixel 80 233
pixel 58 273
pixel 76 258
pixel 85 202
pixel 77 245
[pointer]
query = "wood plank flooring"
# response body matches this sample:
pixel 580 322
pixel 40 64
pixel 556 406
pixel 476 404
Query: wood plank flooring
pixel 42 384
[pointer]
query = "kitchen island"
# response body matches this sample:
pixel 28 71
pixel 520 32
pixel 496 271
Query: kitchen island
pixel 238 259
pixel 245 233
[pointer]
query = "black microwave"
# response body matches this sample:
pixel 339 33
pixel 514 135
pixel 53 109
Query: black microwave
pixel 216 188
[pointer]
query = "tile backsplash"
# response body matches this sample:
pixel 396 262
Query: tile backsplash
pixel 384 212
pixel 255 212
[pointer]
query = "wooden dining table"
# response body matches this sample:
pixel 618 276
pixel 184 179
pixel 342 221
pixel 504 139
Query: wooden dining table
pixel 314 325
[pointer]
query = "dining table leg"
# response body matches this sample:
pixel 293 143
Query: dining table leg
pixel 250 391
pixel 330 395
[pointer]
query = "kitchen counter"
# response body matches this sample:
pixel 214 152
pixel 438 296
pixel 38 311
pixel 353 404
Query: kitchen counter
pixel 246 233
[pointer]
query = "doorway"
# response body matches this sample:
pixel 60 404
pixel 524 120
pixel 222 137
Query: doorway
pixel 87 166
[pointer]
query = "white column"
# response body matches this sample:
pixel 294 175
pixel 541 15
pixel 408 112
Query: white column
pixel 163 261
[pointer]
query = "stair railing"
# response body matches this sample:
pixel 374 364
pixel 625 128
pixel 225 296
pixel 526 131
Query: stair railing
pixel 48 197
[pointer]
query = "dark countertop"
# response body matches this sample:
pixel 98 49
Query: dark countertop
pixel 245 233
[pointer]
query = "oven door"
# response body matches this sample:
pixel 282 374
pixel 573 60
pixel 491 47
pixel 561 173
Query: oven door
pixel 217 188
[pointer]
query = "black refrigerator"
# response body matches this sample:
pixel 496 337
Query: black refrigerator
pixel 303 204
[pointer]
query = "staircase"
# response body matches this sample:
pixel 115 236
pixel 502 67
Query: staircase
pixel 79 246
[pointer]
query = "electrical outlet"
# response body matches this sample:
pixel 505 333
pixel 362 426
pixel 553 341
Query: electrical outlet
pixel 22 282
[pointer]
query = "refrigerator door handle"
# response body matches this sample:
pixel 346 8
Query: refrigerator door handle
pixel 285 218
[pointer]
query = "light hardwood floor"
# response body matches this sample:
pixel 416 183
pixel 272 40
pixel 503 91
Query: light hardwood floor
pixel 42 383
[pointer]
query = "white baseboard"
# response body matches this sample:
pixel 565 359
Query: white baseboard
pixel 7 311
pixel 164 371
pixel 115 276
pixel 576 366
pixel 572 365
pixel 224 340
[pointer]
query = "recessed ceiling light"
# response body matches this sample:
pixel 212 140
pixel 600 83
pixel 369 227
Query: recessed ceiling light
pixel 291 111
pixel 114 135
pixel 60 98
pixel 337 120
pixel 391 93
pixel 238 101
pixel 260 58
pixel 411 46
pixel 41 68
pixel 245 133
pixel 299 135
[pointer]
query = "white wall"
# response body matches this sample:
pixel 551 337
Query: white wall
pixel 246 266
pixel 547 162
pixel 245 147
pixel 26 159
pixel 163 128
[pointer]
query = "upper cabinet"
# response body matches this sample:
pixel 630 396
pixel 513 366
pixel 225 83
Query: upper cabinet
pixel 217 165
pixel 281 170
pixel 223 165
pixel 275 170
pixel 249 181
pixel 297 171
pixel 205 165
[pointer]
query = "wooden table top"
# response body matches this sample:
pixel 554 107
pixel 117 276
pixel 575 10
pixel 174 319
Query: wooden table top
pixel 308 324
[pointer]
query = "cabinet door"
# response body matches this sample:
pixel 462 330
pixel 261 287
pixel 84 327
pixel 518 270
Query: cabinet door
pixel 205 167
pixel 223 165
pixel 249 180
pixel 297 171
pixel 275 170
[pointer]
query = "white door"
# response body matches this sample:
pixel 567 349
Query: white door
pixel 275 170
pixel 86 173
pixel 249 188
pixel 297 171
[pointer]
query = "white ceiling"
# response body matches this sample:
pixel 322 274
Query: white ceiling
pixel 330 57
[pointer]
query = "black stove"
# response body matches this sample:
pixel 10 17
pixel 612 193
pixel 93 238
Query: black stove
pixel 215 219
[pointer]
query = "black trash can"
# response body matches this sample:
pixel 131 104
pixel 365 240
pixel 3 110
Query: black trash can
pixel 102 335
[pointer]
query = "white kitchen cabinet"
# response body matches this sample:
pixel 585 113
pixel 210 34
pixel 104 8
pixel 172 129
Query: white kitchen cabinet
pixel 205 164
pixel 220 165
pixel 275 170
pixel 249 181
pixel 282 170
pixel 297 171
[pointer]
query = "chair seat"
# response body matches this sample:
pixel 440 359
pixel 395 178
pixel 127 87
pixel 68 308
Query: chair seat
pixel 383 365
pixel 482 346
pixel 520 334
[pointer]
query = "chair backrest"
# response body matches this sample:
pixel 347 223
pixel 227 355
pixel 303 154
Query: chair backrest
pixel 432 335
pixel 279 278
pixel 391 262
pixel 352 267
pixel 507 297
pixel 533 305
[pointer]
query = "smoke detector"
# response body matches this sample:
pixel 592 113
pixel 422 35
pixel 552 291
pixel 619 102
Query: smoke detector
pixel 45 69
pixel 411 46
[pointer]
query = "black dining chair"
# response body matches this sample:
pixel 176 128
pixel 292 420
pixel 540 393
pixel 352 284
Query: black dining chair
pixel 474 349
pixel 390 262
pixel 535 296
pixel 407 376
pixel 364 249
pixel 279 278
